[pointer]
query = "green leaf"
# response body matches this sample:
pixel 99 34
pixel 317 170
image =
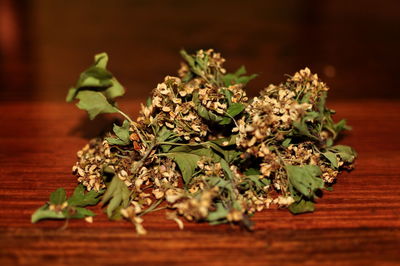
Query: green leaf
pixel 101 60
pixel 164 134
pixel 227 169
pixel 253 175
pixel 233 110
pixel 237 77
pixel 186 162
pixel 304 179
pixel 58 197
pixel 306 98
pixel 122 133
pixel 74 208
pixel 44 213
pixel 187 157
pixel 310 116
pixel 81 199
pixel 149 101
pixel 97 78
pixel 188 58
pixel 347 153
pixel 321 103
pixel 215 181
pixel 329 142
pixel 197 66
pixel 341 125
pixel 286 142
pixel 259 182
pixel 220 213
pixel 199 150
pixel 226 154
pixel 335 129
pixel 117 194
pixel 302 128
pixel 205 151
pixel 252 171
pixel 81 213
pixel 231 155
pixel 331 158
pixel 302 206
pixel 94 103
pixel 228 95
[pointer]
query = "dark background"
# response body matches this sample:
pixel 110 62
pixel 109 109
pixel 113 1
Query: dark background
pixel 352 45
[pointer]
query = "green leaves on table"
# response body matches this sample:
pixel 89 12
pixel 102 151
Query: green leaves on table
pixel 96 89
pixel 302 96
pixel 59 207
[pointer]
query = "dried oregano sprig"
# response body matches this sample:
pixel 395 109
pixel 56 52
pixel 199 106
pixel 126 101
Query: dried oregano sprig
pixel 202 149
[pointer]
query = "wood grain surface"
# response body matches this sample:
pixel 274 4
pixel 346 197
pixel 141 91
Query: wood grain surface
pixel 356 224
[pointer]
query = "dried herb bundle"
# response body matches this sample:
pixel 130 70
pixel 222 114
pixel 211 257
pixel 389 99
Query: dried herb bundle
pixel 202 149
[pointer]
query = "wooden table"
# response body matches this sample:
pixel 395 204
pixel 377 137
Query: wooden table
pixel 358 223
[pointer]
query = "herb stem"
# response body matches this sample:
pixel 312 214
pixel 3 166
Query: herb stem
pixel 173 143
pixel 134 126
pixel 143 159
pixel 152 207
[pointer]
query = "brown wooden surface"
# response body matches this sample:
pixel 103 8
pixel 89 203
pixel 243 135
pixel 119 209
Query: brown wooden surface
pixel 358 223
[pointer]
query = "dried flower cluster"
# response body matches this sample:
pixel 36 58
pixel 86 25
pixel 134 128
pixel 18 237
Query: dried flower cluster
pixel 205 151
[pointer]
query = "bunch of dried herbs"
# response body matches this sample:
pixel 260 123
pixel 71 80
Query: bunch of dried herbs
pixel 202 149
